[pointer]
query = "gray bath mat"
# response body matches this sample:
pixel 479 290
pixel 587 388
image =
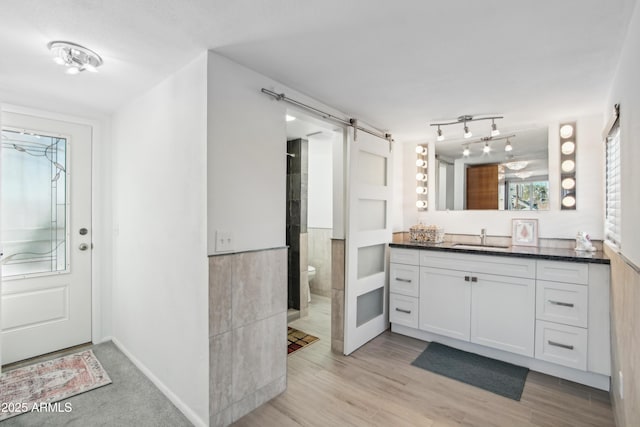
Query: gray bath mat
pixel 493 375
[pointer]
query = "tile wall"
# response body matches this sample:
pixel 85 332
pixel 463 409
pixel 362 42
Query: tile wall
pixel 247 332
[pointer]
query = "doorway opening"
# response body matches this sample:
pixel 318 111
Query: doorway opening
pixel 314 155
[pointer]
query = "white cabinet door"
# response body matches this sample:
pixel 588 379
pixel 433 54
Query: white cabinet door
pixel 503 313
pixel 445 299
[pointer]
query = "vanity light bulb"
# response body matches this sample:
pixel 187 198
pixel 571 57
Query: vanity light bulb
pixel 421 150
pixel 421 190
pixel 421 176
pixel 421 163
pixel 421 204
pixel 569 201
pixel 568 183
pixel 566 131
pixel 568 147
pixel 568 165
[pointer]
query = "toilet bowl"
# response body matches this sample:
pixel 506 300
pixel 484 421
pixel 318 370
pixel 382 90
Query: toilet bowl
pixel 311 273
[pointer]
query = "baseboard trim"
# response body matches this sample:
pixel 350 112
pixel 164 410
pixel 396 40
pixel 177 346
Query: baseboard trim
pixel 183 407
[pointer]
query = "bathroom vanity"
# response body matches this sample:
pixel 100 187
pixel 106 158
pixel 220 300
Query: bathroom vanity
pixel 546 309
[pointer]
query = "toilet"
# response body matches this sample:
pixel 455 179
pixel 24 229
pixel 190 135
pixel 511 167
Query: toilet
pixel 311 273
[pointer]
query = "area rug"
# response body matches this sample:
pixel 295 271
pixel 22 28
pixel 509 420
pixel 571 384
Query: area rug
pixel 493 375
pixel 35 387
pixel 298 339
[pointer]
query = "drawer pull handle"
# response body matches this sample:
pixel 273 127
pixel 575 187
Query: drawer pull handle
pixel 557 344
pixel 403 280
pixel 402 310
pixel 563 304
pixel 474 279
pixel 466 278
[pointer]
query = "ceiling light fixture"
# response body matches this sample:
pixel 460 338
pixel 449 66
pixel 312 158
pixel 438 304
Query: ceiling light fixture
pixel 464 120
pixel 466 151
pixel 75 57
pixel 494 128
pixel 486 149
pixel 289 118
pixel 516 166
pixel 507 146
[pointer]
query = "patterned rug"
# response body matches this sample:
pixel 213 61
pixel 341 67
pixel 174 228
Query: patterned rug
pixel 34 387
pixel 298 339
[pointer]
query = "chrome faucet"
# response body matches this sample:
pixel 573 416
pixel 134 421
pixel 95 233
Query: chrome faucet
pixel 483 236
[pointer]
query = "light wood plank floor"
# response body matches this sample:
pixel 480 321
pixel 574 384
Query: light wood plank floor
pixel 377 386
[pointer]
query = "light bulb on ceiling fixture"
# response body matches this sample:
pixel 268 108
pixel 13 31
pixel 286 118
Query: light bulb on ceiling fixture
pixel 73 70
pixel 289 118
pixel 467 133
pixel 507 146
pixel 494 128
pixel 440 135
pixel 466 151
pixel 486 149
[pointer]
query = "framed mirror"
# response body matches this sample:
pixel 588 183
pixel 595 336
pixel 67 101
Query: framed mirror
pixel 508 172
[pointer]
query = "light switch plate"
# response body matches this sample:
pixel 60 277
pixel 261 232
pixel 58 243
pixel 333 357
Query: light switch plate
pixel 224 241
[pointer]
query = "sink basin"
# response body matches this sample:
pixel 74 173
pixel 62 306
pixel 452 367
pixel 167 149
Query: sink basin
pixel 481 247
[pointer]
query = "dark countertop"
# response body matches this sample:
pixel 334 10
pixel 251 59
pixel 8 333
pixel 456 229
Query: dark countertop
pixel 553 254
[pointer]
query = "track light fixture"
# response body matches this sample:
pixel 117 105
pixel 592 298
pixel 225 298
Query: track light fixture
pixel 486 149
pixel 464 120
pixel 466 151
pixel 494 128
pixel 507 146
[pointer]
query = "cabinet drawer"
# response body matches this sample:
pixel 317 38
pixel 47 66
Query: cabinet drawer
pixel 561 344
pixel 562 303
pixel 403 310
pixel 405 256
pixel 559 271
pixel 489 264
pixel 403 279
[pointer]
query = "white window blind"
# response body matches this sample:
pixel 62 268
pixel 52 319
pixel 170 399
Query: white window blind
pixel 612 217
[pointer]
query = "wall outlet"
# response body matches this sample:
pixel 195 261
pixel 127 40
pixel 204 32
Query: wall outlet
pixel 224 241
pixel 620 384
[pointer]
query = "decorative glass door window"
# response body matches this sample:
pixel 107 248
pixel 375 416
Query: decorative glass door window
pixel 34 204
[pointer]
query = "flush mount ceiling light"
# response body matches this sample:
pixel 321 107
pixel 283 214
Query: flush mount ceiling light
pixel 464 120
pixel 516 166
pixel 523 175
pixel 75 57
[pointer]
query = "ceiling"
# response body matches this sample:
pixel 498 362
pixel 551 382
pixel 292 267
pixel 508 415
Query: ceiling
pixel 396 65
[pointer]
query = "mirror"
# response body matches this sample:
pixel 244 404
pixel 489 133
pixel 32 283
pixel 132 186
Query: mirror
pixel 507 172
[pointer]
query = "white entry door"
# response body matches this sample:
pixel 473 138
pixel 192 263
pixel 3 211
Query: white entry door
pixel 367 236
pixel 45 201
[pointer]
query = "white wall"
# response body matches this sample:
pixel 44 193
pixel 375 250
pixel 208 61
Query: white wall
pixel 160 280
pixel 247 155
pixel 626 92
pixel 320 190
pixel 552 223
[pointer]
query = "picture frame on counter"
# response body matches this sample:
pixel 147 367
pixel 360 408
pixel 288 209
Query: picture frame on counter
pixel 524 232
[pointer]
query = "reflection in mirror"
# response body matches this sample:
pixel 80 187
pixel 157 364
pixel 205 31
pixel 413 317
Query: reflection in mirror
pixel 510 172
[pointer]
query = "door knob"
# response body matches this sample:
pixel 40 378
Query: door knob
pixel 83 246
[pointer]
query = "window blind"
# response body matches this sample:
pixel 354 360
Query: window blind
pixel 612 214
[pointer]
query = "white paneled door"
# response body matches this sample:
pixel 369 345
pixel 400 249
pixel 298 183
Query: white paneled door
pixel 368 234
pixel 45 201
